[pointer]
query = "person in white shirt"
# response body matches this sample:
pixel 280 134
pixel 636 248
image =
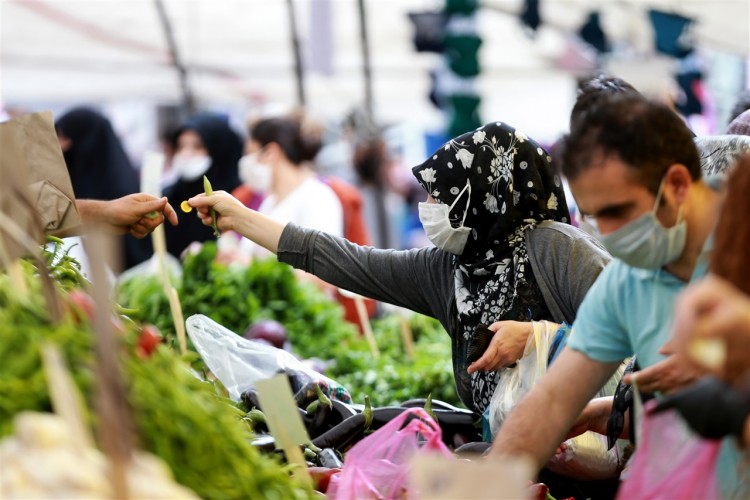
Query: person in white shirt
pixel 275 164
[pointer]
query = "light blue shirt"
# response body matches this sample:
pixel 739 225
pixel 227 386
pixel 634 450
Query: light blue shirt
pixel 629 311
pixel 626 311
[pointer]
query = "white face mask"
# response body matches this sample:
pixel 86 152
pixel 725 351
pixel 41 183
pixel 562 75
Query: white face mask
pixel 255 174
pixel 437 225
pixel 190 168
pixel 645 242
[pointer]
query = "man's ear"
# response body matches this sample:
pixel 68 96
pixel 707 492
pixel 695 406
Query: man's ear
pixel 680 180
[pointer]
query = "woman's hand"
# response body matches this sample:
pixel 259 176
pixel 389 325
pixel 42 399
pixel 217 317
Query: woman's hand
pixel 506 347
pixel 232 215
pixel 229 210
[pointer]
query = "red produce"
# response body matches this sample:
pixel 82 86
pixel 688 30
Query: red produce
pixel 81 305
pixel 321 477
pixel 149 338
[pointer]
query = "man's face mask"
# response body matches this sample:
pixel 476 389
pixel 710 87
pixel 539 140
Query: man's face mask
pixel 255 174
pixel 437 225
pixel 190 168
pixel 645 242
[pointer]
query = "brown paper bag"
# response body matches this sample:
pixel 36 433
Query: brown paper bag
pixel 35 189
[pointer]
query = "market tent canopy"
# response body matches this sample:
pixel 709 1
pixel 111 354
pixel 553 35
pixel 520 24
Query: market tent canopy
pixel 240 51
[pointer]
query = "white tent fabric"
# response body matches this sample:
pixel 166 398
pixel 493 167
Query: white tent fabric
pixel 238 52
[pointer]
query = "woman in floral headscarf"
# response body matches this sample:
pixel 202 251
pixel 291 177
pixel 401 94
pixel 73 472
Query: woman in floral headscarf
pixel 504 254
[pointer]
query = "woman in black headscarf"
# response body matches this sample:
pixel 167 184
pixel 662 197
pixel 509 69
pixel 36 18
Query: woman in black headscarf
pixel 99 168
pixel 504 254
pixel 204 145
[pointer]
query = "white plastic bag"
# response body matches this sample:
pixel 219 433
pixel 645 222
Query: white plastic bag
pixel 514 383
pixel 239 363
pixel 586 456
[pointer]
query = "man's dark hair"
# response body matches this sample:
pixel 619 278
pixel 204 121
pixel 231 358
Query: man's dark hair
pixel 593 90
pixel 647 136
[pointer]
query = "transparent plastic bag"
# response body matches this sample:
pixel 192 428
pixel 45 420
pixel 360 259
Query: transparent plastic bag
pixel 586 457
pixel 378 466
pixel 671 462
pixel 239 363
pixel 514 383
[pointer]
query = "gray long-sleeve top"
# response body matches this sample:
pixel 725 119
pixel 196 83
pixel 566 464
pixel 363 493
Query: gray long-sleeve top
pixel 565 262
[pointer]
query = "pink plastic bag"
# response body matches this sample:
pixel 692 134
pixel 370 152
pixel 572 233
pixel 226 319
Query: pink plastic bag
pixel 378 466
pixel 671 462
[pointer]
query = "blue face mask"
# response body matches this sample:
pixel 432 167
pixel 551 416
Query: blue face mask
pixel 645 242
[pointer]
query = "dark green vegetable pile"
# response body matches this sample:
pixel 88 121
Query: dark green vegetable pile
pixel 202 437
pixel 236 297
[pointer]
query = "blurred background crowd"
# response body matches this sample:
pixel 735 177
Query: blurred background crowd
pixel 362 90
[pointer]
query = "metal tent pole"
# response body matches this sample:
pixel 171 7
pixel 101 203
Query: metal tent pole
pixel 298 69
pixel 188 100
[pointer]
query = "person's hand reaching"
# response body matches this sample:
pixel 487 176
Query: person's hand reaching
pixel 667 375
pixel 138 214
pixel 506 347
pixel 230 212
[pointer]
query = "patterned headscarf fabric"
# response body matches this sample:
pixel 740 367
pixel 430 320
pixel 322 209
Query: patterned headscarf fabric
pixel 512 188
pixel 719 153
pixel 740 125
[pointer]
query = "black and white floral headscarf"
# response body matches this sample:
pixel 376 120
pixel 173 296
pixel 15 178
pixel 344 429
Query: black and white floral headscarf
pixel 719 153
pixel 512 189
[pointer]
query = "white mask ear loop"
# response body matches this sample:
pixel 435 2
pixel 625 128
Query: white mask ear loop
pixel 468 201
pixel 658 195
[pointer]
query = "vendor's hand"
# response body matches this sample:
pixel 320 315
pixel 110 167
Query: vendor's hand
pixel 667 375
pixel 506 346
pixel 230 212
pixel 138 214
pixel 711 407
pixel 714 308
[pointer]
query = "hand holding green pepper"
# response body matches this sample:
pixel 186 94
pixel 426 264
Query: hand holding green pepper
pixel 234 216
pixel 209 191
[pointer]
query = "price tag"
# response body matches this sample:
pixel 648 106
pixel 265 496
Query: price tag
pixel 437 478
pixel 284 421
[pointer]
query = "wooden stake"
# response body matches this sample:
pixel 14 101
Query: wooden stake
pixel 406 335
pixel 115 423
pixel 66 399
pixel 366 326
pixel 364 320
pixel 179 321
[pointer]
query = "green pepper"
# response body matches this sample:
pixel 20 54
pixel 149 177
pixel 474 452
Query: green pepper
pixel 209 191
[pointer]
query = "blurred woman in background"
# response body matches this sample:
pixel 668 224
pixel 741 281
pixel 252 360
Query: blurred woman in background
pixel 99 168
pixel 203 145
pixel 277 164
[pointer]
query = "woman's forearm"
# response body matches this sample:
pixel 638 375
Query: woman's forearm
pixel 261 229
